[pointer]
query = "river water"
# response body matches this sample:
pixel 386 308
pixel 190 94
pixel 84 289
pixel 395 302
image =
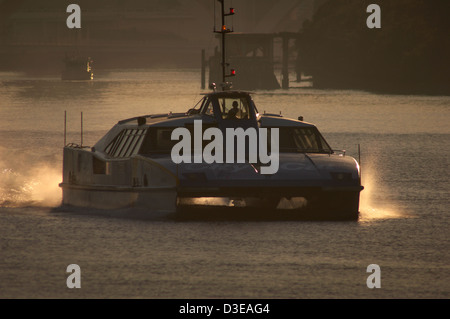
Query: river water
pixel 404 224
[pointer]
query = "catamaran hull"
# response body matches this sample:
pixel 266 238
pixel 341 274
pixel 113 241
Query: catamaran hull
pixel 155 200
pixel 313 205
pixel 302 188
pixel 164 202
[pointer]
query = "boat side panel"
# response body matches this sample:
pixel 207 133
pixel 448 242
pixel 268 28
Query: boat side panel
pixel 153 200
pixel 78 168
pixel 91 180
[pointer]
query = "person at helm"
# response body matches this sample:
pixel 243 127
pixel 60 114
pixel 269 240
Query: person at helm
pixel 232 114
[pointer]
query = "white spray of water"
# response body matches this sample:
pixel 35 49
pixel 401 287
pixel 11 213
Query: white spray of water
pixel 28 183
pixel 373 206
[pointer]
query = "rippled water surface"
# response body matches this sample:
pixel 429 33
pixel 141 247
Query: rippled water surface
pixel 404 223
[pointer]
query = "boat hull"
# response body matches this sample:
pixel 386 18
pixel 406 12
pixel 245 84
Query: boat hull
pixel 154 200
pixel 165 202
pixel 302 188
pixel 305 205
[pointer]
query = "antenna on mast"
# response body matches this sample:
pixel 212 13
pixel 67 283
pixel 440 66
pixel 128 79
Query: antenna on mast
pixel 224 30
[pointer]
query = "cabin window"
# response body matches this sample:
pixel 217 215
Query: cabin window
pixel 100 167
pixel 209 109
pixel 158 140
pixel 302 139
pixel 164 139
pixel 126 143
pixel 234 108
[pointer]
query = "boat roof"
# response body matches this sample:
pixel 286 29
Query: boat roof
pixel 180 119
pixel 228 93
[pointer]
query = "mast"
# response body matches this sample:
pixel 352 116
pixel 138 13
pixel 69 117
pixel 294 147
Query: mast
pixel 224 30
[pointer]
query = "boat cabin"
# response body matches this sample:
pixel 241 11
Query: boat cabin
pixel 229 109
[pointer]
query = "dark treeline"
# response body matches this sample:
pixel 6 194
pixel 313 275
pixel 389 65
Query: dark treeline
pixel 409 54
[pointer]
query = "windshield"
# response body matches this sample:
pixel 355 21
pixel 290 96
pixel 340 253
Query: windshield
pixel 234 108
pixel 302 139
pixel 291 140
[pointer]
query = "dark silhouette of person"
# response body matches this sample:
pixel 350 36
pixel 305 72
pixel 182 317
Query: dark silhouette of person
pixel 233 112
